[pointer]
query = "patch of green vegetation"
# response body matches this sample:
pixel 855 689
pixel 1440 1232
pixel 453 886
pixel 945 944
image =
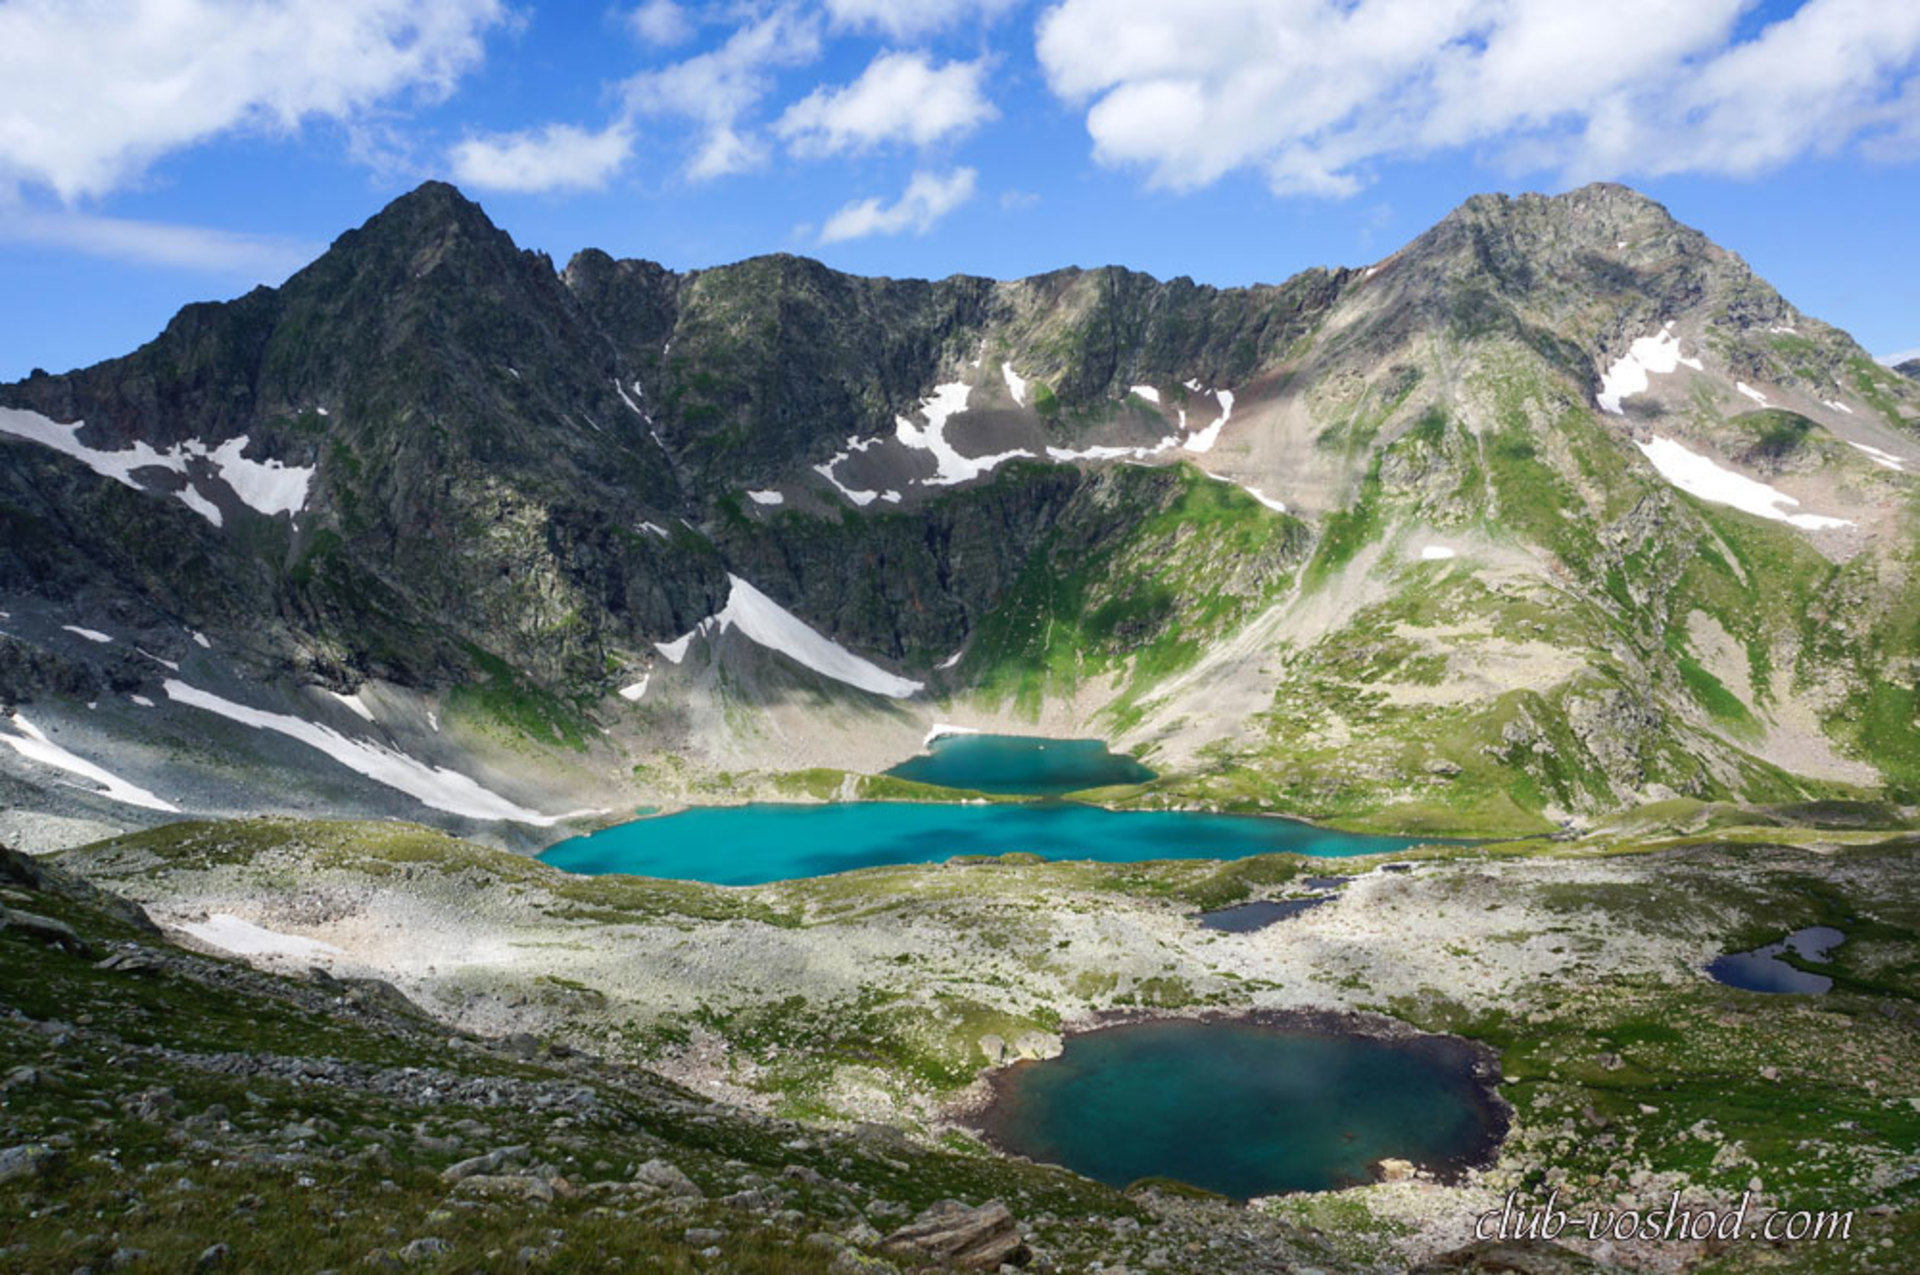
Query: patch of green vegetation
pixel 506 697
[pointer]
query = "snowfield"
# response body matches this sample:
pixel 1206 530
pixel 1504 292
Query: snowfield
pixel 243 938
pixel 1650 355
pixel 766 623
pixel 634 693
pixel 268 486
pixel 1016 384
pixel 1886 460
pixel 766 498
pixel 1203 440
pixel 33 744
pixel 432 786
pixel 1698 476
pixel 947 401
pixel 1436 553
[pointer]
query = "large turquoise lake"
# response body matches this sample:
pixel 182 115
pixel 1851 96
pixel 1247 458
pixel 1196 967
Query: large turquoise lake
pixel 751 844
pixel 1020 764
pixel 1244 1108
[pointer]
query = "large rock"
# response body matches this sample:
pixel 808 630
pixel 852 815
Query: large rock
pixel 44 929
pixel 981 1239
pixel 666 1178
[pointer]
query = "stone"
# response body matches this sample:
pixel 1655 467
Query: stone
pixel 212 1258
pixel 45 930
pixel 973 1239
pixel 1037 1045
pixel 994 1048
pixel 666 1178
pixel 483 1164
pixel 17 1163
pixel 495 1186
pixel 1392 1170
pixel 424 1250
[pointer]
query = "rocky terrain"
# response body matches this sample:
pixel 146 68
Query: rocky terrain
pixel 877 1000
pixel 1556 510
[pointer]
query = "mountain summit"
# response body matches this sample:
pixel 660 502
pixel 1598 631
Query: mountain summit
pixel 1557 509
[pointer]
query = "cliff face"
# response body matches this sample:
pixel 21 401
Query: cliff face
pixel 1462 535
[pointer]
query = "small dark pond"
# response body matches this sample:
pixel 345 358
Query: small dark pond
pixel 1021 764
pixel 1246 1108
pixel 1762 970
pixel 1244 918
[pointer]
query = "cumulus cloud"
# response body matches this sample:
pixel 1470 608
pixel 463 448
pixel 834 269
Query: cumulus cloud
pixel 94 93
pixel 662 22
pixel 717 88
pixel 900 97
pixel 927 199
pixel 905 19
pixel 1310 92
pixel 556 157
pixel 254 258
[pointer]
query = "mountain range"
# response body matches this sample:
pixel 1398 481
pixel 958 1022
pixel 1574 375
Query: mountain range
pixel 1557 510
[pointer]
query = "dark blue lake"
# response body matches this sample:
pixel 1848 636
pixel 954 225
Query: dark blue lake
pixel 751 844
pixel 1762 970
pixel 1245 1109
pixel 1021 764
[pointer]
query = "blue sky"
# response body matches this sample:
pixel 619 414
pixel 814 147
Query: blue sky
pixel 157 152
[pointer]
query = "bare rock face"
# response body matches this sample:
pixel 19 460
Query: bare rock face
pixel 1392 1170
pixel 969 1239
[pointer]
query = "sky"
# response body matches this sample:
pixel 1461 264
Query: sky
pixel 159 152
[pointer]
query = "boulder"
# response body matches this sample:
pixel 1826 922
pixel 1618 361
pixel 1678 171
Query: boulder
pixel 1392 1170
pixel 45 930
pixel 489 1163
pixel 970 1239
pixel 666 1178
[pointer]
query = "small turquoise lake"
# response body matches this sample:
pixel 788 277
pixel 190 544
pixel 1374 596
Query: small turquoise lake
pixel 753 844
pixel 1246 1108
pixel 1020 764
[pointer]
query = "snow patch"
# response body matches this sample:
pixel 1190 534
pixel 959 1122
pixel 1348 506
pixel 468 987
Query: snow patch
pixel 765 622
pixel 192 499
pixel 1837 405
pixel 1650 355
pixel 655 528
pixel 676 650
pixel 1787 328
pixel 1750 392
pixel 1016 384
pixel 940 730
pixel 141 700
pixel 766 498
pixel 268 486
pixel 946 402
pixel 1204 440
pixel 1100 452
pixel 432 786
pixel 167 664
pixel 33 744
pixel 354 703
pixel 1147 392
pixel 633 693
pixel 200 640
pixel 1878 457
pixel 1699 476
pixel 951 660
pixel 91 635
pixel 243 938
pixel 628 399
pixel 1436 553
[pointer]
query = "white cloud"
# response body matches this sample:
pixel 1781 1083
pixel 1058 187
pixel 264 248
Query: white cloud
pixel 1309 93
pixel 94 93
pixel 900 97
pixel 928 198
pixel 662 23
pixel 1898 356
pixel 556 157
pixel 255 258
pixel 717 88
pixel 903 19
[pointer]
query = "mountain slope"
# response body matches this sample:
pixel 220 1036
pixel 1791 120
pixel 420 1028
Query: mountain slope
pixel 1556 509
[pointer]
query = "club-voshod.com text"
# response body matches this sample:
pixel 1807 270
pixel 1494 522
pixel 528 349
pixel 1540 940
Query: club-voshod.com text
pixel 1676 1220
